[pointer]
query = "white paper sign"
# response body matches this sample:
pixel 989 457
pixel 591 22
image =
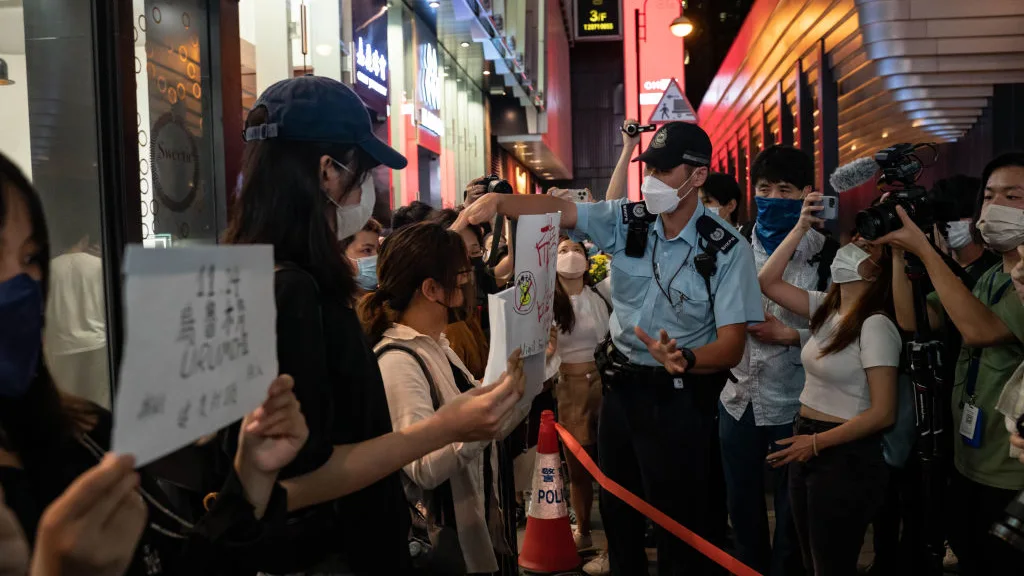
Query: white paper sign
pixel 536 255
pixel 200 344
pixel 500 310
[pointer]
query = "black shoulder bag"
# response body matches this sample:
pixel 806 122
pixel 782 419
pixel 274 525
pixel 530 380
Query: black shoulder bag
pixel 433 538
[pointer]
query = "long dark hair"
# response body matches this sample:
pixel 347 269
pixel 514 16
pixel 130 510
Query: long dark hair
pixel 39 424
pixel 564 316
pixel 282 204
pixel 407 258
pixel 877 299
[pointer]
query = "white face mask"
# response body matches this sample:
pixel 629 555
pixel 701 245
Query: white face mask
pixel 351 219
pixel 571 264
pixel 660 197
pixel 846 265
pixel 1002 227
pixel 958 234
pixel 716 210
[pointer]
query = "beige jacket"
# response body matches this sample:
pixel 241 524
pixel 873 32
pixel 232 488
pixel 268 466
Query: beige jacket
pixel 408 395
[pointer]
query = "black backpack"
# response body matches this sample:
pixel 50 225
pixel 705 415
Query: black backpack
pixel 823 258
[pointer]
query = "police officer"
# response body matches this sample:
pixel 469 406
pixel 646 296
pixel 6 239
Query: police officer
pixel 681 274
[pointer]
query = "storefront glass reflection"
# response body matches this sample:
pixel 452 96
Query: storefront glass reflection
pixel 48 115
pixel 176 163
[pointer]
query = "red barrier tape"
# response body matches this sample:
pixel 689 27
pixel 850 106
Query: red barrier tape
pixel 724 560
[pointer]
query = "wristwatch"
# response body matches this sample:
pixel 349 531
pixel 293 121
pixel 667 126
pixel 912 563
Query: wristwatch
pixel 690 357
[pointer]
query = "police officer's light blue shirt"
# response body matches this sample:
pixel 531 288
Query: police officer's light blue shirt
pixel 637 299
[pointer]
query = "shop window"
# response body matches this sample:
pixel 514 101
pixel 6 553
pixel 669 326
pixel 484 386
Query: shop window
pixel 180 204
pixel 48 120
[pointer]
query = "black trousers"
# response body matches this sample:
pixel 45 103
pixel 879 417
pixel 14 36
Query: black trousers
pixel 834 496
pixel 655 441
pixel 973 509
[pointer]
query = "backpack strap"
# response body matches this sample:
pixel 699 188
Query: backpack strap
pixel 434 397
pixel 441 502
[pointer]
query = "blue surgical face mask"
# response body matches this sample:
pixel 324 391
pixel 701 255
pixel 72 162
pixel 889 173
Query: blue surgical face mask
pixel 21 315
pixel 775 218
pixel 367 278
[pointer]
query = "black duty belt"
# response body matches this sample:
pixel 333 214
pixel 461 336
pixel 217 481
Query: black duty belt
pixel 610 360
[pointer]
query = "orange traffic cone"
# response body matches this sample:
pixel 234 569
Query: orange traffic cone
pixel 548 545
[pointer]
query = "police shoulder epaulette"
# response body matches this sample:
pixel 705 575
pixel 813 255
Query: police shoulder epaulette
pixel 716 235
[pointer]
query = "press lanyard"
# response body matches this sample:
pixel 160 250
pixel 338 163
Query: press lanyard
pixel 972 368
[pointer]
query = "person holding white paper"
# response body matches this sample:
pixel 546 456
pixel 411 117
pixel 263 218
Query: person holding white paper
pixel 424 273
pixel 307 185
pixel 47 440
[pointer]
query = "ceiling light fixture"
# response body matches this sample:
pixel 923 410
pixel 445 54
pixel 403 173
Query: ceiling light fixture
pixel 464 44
pixel 885 134
pixel 435 4
pixel 487 72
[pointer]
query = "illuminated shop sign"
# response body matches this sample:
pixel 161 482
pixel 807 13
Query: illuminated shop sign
pixel 598 20
pixel 370 48
pixel 430 89
pixel 371 67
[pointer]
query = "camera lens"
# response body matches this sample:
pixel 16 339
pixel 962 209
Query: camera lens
pixel 877 221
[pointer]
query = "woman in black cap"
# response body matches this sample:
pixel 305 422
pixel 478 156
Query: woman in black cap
pixel 306 172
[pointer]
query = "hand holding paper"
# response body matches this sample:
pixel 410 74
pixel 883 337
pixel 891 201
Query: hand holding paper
pixel 93 527
pixel 271 437
pixel 200 344
pixel 479 414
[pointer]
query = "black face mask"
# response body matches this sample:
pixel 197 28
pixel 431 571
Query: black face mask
pixel 461 313
pixel 478 262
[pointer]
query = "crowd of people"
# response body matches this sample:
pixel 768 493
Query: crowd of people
pixel 719 360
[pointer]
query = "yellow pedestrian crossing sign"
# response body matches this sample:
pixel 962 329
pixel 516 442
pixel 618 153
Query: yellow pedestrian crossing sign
pixel 673 107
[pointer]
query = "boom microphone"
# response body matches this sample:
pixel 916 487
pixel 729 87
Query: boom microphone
pixel 854 174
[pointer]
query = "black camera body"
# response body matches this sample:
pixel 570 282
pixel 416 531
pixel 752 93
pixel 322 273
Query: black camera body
pixel 632 130
pixel 901 167
pixel 498 186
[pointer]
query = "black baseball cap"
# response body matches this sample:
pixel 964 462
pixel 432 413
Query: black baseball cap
pixel 318 109
pixel 677 143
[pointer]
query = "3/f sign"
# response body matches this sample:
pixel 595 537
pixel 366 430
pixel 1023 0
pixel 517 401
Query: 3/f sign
pixel 200 346
pixel 598 20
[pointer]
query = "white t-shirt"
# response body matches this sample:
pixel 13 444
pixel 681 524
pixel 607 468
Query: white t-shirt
pixel 837 384
pixel 75 313
pixel 590 328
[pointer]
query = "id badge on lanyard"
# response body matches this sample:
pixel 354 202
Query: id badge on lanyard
pixel 971 421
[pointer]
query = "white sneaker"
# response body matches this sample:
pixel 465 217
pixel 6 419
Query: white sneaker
pixel 583 541
pixel 950 561
pixel 598 566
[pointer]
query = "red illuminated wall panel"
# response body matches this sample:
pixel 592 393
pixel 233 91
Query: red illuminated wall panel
pixel 661 59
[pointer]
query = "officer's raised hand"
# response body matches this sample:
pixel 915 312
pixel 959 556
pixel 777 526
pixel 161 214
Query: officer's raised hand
pixel 664 350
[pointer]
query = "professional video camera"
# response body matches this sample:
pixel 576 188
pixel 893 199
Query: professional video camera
pixel 901 167
pixel 633 128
